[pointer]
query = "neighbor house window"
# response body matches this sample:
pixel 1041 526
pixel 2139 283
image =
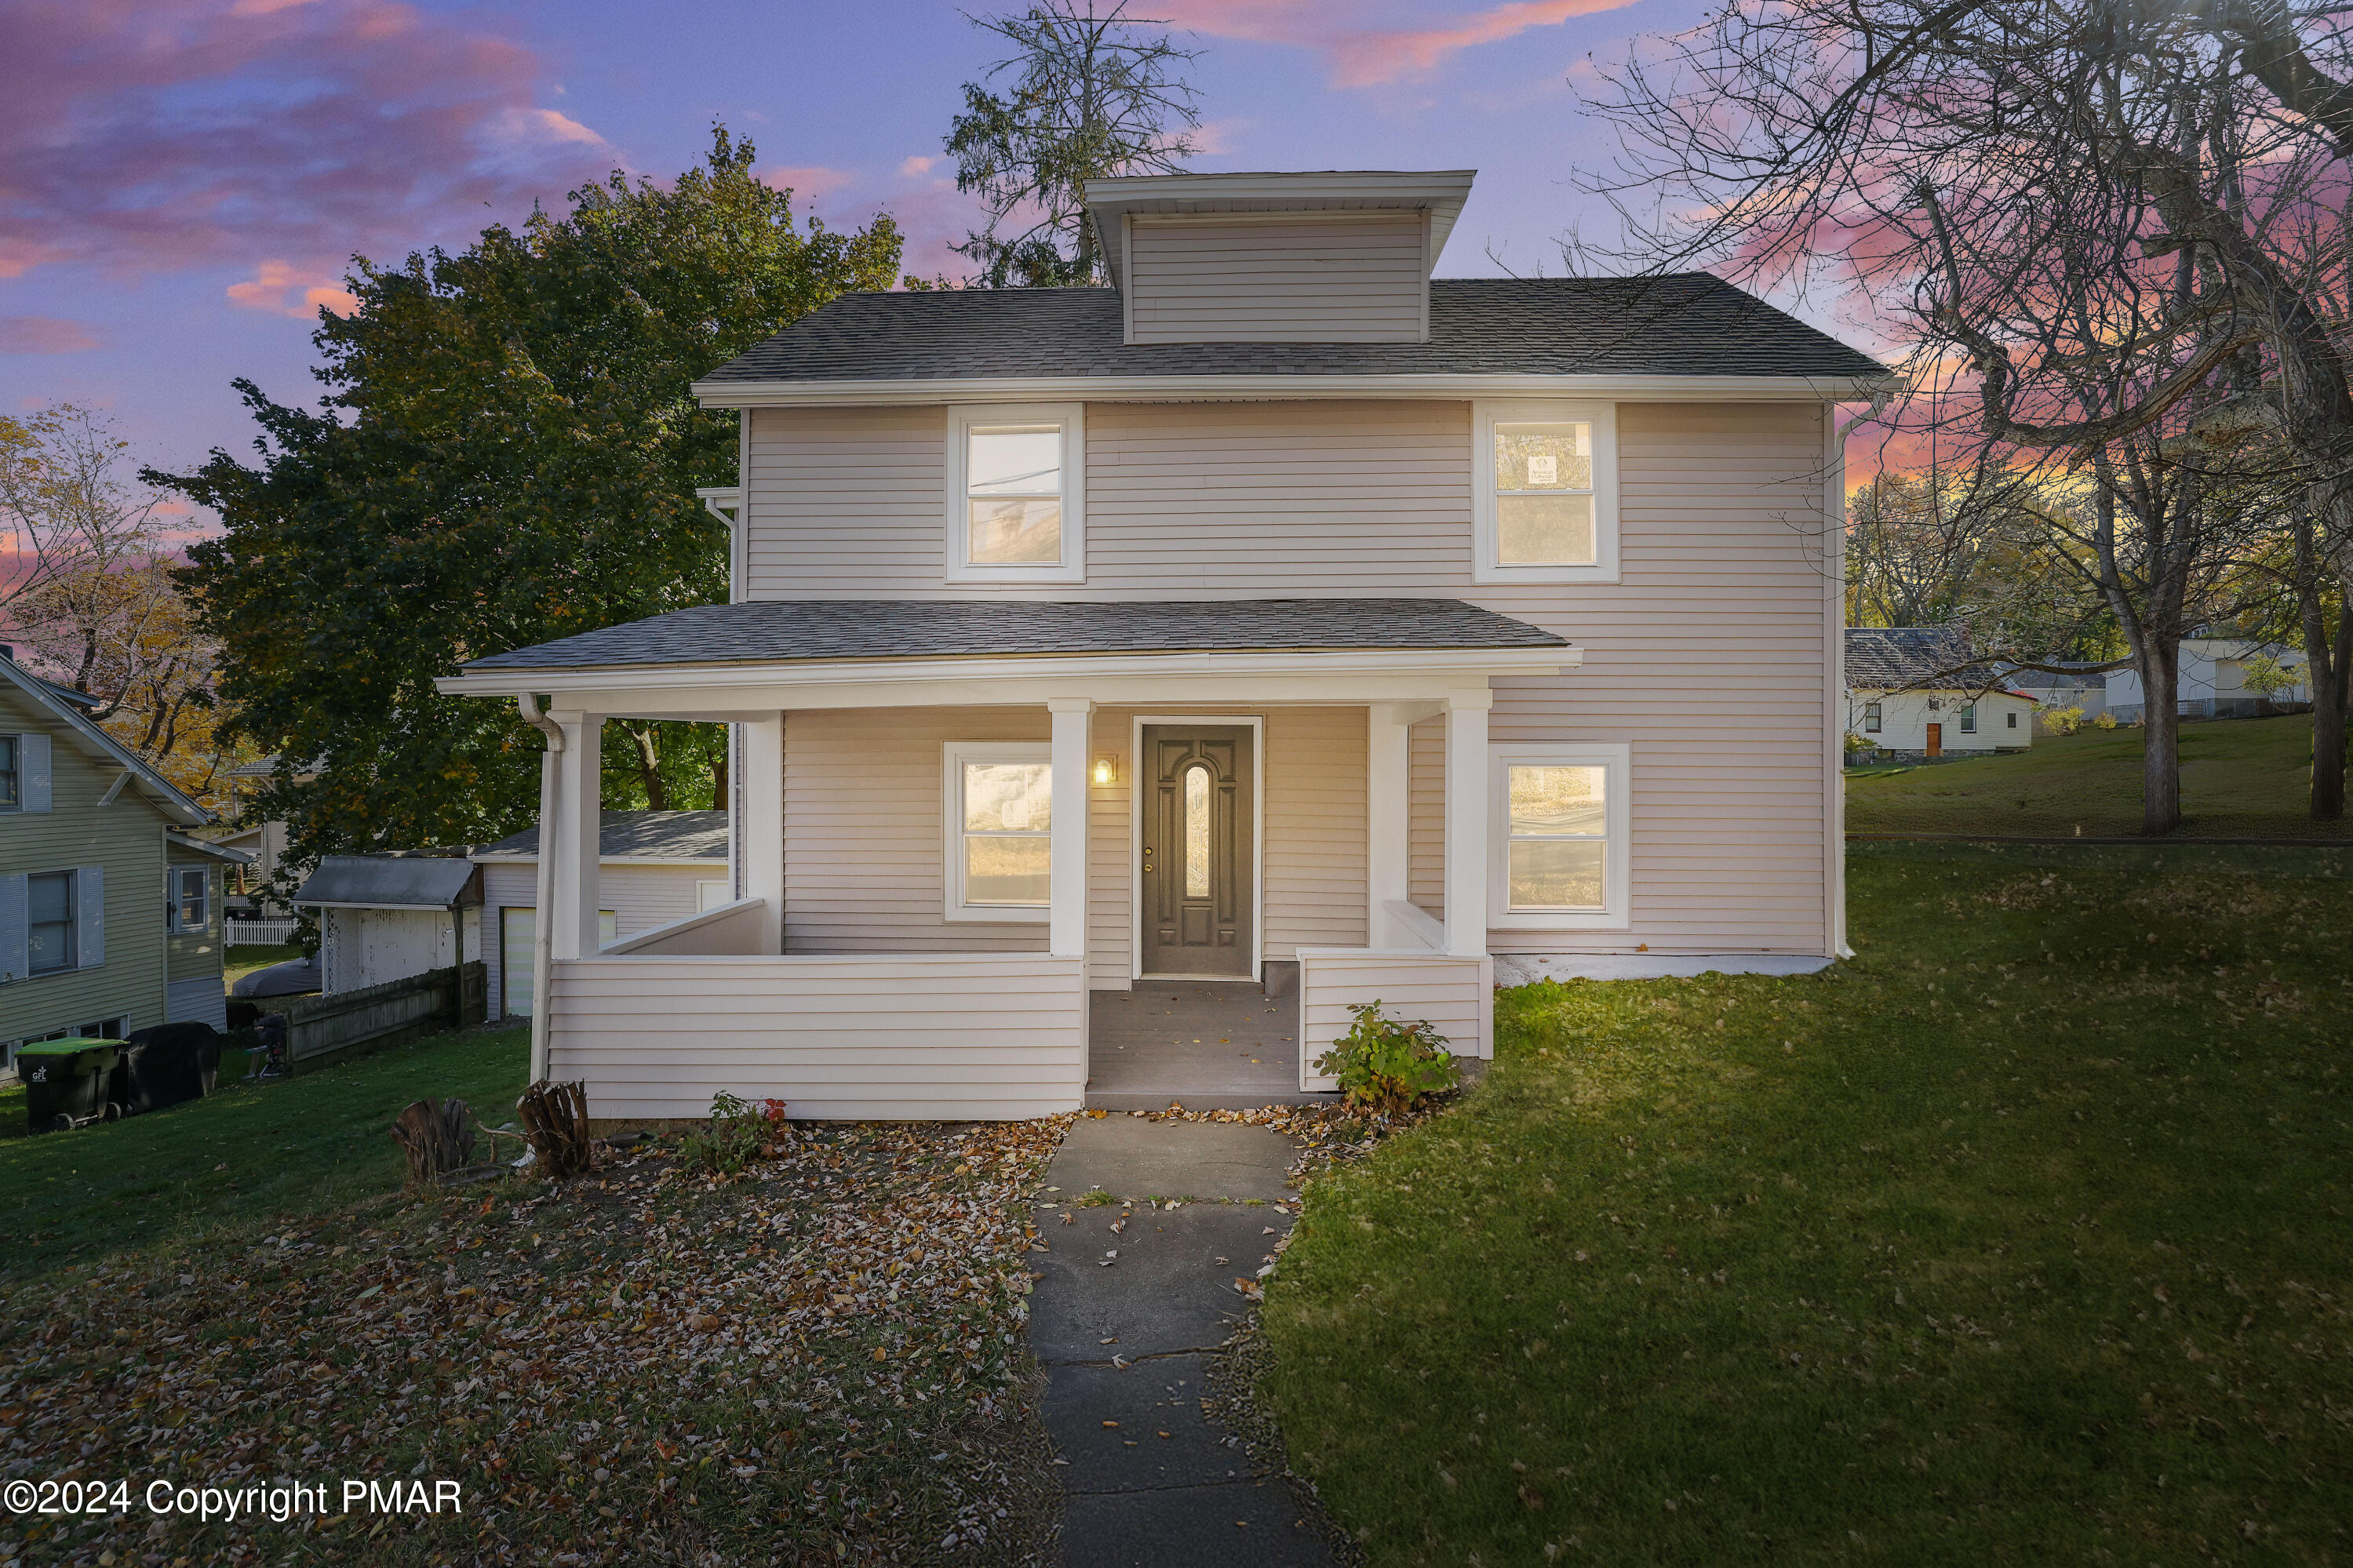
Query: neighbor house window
pixel 1545 492
pixel 191 901
pixel 1557 818
pixel 1016 493
pixel 1871 718
pixel 11 793
pixel 50 921
pixel 1969 719
pixel 999 799
pixel 2011 721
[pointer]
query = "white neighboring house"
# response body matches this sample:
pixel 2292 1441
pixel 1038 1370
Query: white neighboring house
pixel 1912 691
pixel 654 867
pixel 2084 690
pixel 2212 680
pixel 387 917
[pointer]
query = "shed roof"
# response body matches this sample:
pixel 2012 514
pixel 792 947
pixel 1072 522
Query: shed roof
pixel 1684 323
pixel 762 631
pixel 635 835
pixel 1927 659
pixel 388 882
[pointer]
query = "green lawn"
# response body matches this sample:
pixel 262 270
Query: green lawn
pixel 2241 778
pixel 240 1157
pixel 2021 1238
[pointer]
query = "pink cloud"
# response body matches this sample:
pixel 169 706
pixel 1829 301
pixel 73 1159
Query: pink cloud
pixel 290 290
pixel 914 168
pixel 154 135
pixel 46 335
pixel 1373 55
pixel 808 182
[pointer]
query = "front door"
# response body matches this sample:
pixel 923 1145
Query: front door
pixel 1935 739
pixel 1196 850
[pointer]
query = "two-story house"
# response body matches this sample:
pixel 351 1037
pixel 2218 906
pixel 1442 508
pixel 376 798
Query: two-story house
pixel 110 913
pixel 1279 617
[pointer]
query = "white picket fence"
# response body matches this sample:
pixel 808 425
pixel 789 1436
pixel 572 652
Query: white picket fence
pixel 253 934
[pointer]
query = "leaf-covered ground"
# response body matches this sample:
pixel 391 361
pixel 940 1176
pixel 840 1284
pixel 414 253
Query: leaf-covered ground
pixel 2241 778
pixel 2022 1238
pixel 822 1360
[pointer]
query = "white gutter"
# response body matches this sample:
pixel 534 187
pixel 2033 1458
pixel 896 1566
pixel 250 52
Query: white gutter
pixel 1202 388
pixel 542 923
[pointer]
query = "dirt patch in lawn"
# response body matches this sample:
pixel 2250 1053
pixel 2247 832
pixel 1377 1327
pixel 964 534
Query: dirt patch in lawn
pixel 820 1359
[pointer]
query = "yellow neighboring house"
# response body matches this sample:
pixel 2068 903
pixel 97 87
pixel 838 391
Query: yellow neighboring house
pixel 110 913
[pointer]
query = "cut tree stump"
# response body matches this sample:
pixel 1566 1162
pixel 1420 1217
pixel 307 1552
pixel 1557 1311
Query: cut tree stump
pixel 555 1118
pixel 436 1141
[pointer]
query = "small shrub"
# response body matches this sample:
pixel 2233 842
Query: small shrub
pixel 2105 721
pixel 2063 720
pixel 1388 1065
pixel 740 1132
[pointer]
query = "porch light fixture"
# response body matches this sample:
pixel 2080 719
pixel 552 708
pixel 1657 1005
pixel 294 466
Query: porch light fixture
pixel 1106 770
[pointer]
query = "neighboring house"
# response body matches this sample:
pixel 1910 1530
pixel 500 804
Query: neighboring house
pixel 263 840
pixel 1277 616
pixel 654 867
pixel 110 913
pixel 2056 692
pixel 387 917
pixel 2211 683
pixel 1912 691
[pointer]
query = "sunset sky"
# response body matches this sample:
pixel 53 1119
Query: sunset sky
pixel 181 181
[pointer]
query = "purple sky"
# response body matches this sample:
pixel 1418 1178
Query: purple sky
pixel 182 180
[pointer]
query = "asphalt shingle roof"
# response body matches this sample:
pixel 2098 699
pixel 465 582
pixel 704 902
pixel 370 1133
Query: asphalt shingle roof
pixel 640 835
pixel 418 881
pixel 1890 658
pixel 770 630
pixel 1685 323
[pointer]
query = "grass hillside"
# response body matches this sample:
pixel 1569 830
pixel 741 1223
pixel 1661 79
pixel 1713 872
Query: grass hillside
pixel 2241 778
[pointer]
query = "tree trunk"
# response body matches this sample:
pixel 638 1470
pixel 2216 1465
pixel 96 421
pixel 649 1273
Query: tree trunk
pixel 2160 765
pixel 719 774
pixel 645 742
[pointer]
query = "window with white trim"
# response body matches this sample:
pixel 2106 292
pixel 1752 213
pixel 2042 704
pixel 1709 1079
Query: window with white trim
pixel 1871 718
pixel 1558 821
pixel 190 899
pixel 1968 718
pixel 1544 491
pixel 999 818
pixel 1016 493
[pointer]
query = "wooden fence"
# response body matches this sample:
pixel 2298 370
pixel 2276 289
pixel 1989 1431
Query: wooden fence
pixel 321 1028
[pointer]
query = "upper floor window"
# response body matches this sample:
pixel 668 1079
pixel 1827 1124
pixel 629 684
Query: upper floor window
pixel 1545 492
pixel 1016 493
pixel 1000 812
pixel 12 793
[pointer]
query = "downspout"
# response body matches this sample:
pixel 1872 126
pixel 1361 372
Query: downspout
pixel 542 923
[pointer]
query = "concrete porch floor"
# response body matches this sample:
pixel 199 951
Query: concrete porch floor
pixel 1209 1045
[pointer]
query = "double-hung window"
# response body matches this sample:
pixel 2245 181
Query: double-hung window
pixel 1968 718
pixel 1016 493
pixel 1545 492
pixel 1557 816
pixel 191 900
pixel 1000 808
pixel 50 921
pixel 1871 719
pixel 12 790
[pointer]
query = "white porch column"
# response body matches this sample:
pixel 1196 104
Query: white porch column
pixel 579 820
pixel 761 852
pixel 1066 932
pixel 1466 823
pixel 1388 865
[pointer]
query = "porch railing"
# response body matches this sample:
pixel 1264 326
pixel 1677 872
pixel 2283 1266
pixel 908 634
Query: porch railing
pixel 1408 976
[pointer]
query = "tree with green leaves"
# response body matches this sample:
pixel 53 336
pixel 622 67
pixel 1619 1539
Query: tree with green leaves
pixel 508 454
pixel 1091 96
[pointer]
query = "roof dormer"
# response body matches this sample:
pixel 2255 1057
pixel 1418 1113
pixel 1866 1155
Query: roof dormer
pixel 1334 257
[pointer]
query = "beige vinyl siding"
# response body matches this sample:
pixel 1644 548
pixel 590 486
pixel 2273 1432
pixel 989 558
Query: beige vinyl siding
pixel 976 1035
pixel 1309 278
pixel 1455 996
pixel 1316 779
pixel 1710 657
pixel 125 840
pixel 1425 830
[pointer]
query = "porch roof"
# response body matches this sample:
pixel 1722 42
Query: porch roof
pixel 771 631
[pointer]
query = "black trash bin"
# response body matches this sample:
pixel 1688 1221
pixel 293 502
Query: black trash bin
pixel 164 1065
pixel 66 1081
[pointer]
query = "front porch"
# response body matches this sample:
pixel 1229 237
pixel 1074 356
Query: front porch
pixel 924 927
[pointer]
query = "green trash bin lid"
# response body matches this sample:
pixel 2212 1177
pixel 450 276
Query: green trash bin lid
pixel 66 1047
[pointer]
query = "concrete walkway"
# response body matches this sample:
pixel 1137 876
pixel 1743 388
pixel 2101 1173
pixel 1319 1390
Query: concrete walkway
pixel 1127 1320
